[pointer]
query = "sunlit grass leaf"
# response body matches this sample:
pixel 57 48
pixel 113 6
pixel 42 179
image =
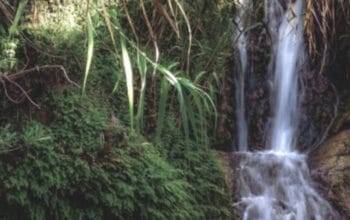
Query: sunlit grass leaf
pixel 129 80
pixel 90 50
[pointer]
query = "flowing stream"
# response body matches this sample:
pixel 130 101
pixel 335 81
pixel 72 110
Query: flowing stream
pixel 276 183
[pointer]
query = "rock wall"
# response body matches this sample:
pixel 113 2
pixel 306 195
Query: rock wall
pixel 331 169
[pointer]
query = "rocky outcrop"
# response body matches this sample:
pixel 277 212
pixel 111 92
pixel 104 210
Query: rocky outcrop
pixel 331 169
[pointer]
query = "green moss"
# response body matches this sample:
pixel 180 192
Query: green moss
pixel 78 121
pixel 132 181
pixel 62 170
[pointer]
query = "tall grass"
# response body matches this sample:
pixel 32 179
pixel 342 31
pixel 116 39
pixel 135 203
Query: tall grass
pixel 195 106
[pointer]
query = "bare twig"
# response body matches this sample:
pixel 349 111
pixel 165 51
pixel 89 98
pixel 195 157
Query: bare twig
pixel 128 17
pixel 12 77
pixel 165 14
pixel 39 68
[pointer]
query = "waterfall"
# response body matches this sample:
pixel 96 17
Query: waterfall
pixel 242 131
pixel 288 53
pixel 276 183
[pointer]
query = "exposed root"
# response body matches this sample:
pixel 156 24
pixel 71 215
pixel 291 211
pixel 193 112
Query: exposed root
pixel 39 68
pixel 22 90
pixel 11 78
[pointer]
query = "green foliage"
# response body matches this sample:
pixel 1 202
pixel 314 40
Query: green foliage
pixel 111 18
pixel 59 20
pixel 7 138
pixel 132 181
pixel 63 170
pixel 201 170
pixel 77 116
pixel 84 163
pixel 57 35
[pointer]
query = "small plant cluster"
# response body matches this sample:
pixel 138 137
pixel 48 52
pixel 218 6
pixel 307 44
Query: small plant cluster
pixel 8 54
pixel 9 40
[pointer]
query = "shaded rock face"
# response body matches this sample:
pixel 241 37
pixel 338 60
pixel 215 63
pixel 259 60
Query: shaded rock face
pixel 331 168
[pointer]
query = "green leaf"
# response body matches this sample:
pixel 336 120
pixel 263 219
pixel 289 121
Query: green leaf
pixel 90 50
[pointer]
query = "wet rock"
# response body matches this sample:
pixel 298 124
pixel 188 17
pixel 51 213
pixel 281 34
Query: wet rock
pixel 331 168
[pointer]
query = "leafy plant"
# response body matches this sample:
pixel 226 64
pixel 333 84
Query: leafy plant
pixel 180 84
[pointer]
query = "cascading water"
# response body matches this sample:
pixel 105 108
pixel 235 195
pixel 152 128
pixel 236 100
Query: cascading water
pixel 276 184
pixel 288 53
pixel 242 131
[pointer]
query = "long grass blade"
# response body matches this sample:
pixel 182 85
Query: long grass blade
pixel 180 85
pixel 164 94
pixel 90 50
pixel 142 67
pixel 129 80
pixel 14 27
